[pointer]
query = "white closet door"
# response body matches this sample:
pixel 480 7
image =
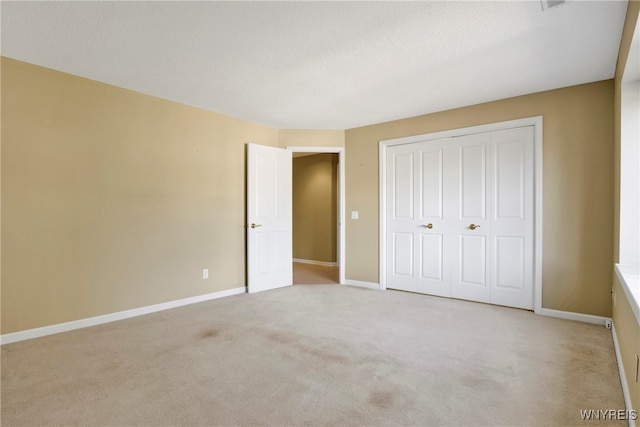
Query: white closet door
pixel 471 228
pixel 512 217
pixel 416 230
pixel 433 228
pixel 400 218
pixel 460 217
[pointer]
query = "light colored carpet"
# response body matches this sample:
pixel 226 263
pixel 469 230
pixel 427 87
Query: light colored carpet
pixel 316 355
pixel 311 274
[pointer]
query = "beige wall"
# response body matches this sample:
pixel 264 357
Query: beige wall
pixel 310 138
pixel 577 183
pixel 628 333
pixel 626 325
pixel 315 207
pixel 113 200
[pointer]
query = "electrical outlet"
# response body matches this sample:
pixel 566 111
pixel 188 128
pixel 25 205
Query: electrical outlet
pixel 607 324
pixel 205 273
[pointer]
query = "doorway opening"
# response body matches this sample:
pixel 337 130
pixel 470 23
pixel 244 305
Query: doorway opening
pixel 317 204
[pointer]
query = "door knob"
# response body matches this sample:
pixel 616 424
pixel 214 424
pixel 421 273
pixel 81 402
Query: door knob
pixel 255 225
pixel 473 226
pixel 429 226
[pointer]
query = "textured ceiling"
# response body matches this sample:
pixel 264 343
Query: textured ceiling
pixel 321 65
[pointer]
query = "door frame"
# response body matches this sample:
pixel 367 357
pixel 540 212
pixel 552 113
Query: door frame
pixel 536 122
pixel 341 200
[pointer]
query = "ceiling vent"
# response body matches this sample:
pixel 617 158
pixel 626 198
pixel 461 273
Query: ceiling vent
pixel 550 4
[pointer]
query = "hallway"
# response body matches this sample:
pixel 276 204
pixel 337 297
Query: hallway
pixel 311 274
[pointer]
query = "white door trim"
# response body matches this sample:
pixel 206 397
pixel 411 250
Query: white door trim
pixel 341 200
pixel 536 122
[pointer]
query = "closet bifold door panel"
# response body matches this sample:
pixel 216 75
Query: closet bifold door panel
pixel 512 220
pixel 459 217
pixel 471 225
pixel 416 229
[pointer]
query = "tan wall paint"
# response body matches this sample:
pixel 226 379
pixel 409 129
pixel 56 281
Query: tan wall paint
pixel 628 333
pixel 577 183
pixel 625 322
pixel 310 138
pixel 113 200
pixel 315 207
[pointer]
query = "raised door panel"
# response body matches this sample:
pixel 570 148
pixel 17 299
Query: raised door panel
pixel 431 248
pixel 434 277
pixel 509 180
pixel 402 197
pixel 403 245
pixel 431 181
pixel 509 261
pixel 263 245
pixel 471 269
pixel 473 181
pixel 266 184
pixel 472 260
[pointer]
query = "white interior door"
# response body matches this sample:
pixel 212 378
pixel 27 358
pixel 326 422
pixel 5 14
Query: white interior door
pixel 471 226
pixel 459 216
pixel 512 222
pixel 416 228
pixel 401 218
pixel 269 218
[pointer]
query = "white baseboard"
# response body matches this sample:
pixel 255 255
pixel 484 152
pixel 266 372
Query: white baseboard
pixel 310 261
pixel 368 285
pixel 112 317
pixel 623 377
pixel 568 315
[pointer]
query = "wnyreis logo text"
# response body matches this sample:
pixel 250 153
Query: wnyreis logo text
pixel 608 414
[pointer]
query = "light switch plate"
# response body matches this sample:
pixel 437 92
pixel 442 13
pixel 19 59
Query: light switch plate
pixel 354 214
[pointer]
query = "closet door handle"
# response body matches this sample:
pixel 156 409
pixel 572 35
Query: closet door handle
pixel 256 225
pixel 473 226
pixel 429 226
